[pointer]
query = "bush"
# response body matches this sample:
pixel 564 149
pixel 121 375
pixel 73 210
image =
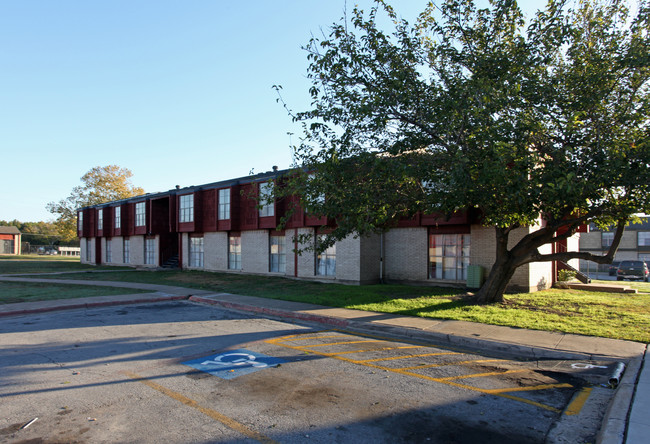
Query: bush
pixel 565 275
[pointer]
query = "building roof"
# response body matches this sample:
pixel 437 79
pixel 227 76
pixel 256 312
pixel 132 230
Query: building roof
pixel 9 230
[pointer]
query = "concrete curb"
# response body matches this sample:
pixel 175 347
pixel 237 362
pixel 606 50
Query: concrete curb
pixel 615 420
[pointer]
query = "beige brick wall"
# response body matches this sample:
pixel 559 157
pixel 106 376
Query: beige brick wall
pixel 348 259
pixel 87 244
pixel 255 251
pixel 370 259
pixel 215 246
pixel 306 260
pixel 117 250
pixel 591 241
pixel 136 250
pixel 406 254
pixel 185 250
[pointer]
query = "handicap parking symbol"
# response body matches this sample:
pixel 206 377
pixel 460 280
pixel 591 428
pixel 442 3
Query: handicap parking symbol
pixel 233 363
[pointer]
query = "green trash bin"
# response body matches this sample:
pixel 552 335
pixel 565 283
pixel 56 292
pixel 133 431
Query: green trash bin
pixel 475 276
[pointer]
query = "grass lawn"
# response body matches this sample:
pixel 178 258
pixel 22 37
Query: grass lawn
pixel 11 292
pixel 611 315
pixel 34 263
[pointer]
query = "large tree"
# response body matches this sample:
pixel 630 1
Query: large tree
pixel 539 124
pixel 100 184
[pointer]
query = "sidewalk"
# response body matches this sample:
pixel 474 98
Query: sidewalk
pixel 632 394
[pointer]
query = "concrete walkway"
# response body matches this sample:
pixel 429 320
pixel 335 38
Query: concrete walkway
pixel 632 395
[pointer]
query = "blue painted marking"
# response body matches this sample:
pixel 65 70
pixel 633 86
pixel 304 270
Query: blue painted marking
pixel 234 363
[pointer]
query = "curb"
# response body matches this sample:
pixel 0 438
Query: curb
pixel 485 346
pixel 616 416
pixel 92 305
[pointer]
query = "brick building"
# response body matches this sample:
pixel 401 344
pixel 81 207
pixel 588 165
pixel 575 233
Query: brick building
pixel 9 240
pixel 219 227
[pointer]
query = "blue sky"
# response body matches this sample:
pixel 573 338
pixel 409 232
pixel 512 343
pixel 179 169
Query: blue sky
pixel 179 92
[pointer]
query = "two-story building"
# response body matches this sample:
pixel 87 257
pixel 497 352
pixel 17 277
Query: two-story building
pixel 220 227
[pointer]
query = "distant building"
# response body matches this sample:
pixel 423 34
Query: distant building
pixel 220 227
pixel 9 240
pixel 635 244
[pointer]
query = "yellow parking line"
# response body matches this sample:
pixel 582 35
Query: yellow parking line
pixel 223 419
pixel 417 367
pixel 530 388
pixel 578 402
pixel 303 338
pixel 372 350
pixel 480 375
pixel 392 358
pixel 339 343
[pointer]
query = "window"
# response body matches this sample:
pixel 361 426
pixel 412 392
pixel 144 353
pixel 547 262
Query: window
pixel 266 200
pixel 100 219
pixel 109 253
pixel 80 221
pixel 149 251
pixel 140 211
pixel 643 239
pixel 234 252
pixel 126 251
pixel 118 217
pixel 277 256
pixel 186 210
pixel 196 252
pixel 326 261
pixel 224 204
pixel 449 256
pixel 607 238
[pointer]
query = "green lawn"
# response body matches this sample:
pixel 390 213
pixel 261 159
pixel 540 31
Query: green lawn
pixel 33 263
pixel 11 292
pixel 611 315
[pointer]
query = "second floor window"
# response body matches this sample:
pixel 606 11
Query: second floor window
pixel 224 204
pixel 607 239
pixel 80 221
pixel 140 214
pixel 644 239
pixel 266 200
pixel 118 217
pixel 100 219
pixel 186 208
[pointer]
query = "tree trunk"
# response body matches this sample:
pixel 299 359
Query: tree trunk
pixel 496 282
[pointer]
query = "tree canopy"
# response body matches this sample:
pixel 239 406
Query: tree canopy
pixel 100 184
pixel 477 109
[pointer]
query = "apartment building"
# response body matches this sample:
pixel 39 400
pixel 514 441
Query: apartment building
pixel 635 244
pixel 220 227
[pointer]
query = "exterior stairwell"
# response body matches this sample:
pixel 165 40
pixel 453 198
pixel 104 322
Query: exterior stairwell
pixel 579 274
pixel 172 262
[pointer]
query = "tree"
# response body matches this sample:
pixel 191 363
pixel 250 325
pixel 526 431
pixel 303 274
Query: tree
pixel 100 184
pixel 543 126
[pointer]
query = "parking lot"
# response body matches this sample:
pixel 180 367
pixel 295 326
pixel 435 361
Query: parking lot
pixel 183 372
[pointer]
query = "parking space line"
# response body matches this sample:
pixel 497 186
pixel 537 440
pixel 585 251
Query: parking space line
pixel 223 419
pixel 340 343
pixel 392 358
pixel 373 350
pixel 480 375
pixel 578 402
pixel 445 364
pixel 443 380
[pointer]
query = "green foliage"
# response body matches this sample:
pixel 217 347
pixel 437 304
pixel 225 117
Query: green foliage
pixel 100 184
pixel 38 233
pixel 565 275
pixel 473 109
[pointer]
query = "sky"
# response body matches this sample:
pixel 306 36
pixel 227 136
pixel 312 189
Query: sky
pixel 178 92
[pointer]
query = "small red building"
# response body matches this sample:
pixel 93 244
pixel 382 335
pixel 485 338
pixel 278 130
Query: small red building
pixel 9 240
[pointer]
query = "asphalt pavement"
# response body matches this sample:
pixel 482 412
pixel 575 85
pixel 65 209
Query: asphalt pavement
pixel 627 420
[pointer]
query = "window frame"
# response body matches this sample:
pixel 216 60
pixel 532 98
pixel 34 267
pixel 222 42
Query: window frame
pixel 80 221
pixel 150 251
pixel 224 204
pixel 606 239
pixel 646 236
pixel 266 190
pixel 109 251
pixel 277 258
pixel 140 214
pixel 117 218
pixel 186 208
pixel 326 260
pixel 234 252
pixel 196 251
pixel 100 219
pixel 455 250
pixel 126 250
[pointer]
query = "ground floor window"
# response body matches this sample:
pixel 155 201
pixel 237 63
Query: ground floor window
pixel 149 251
pixel 234 252
pixel 196 252
pixel 88 255
pixel 277 255
pixel 326 261
pixel 126 251
pixel 109 252
pixel 449 256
